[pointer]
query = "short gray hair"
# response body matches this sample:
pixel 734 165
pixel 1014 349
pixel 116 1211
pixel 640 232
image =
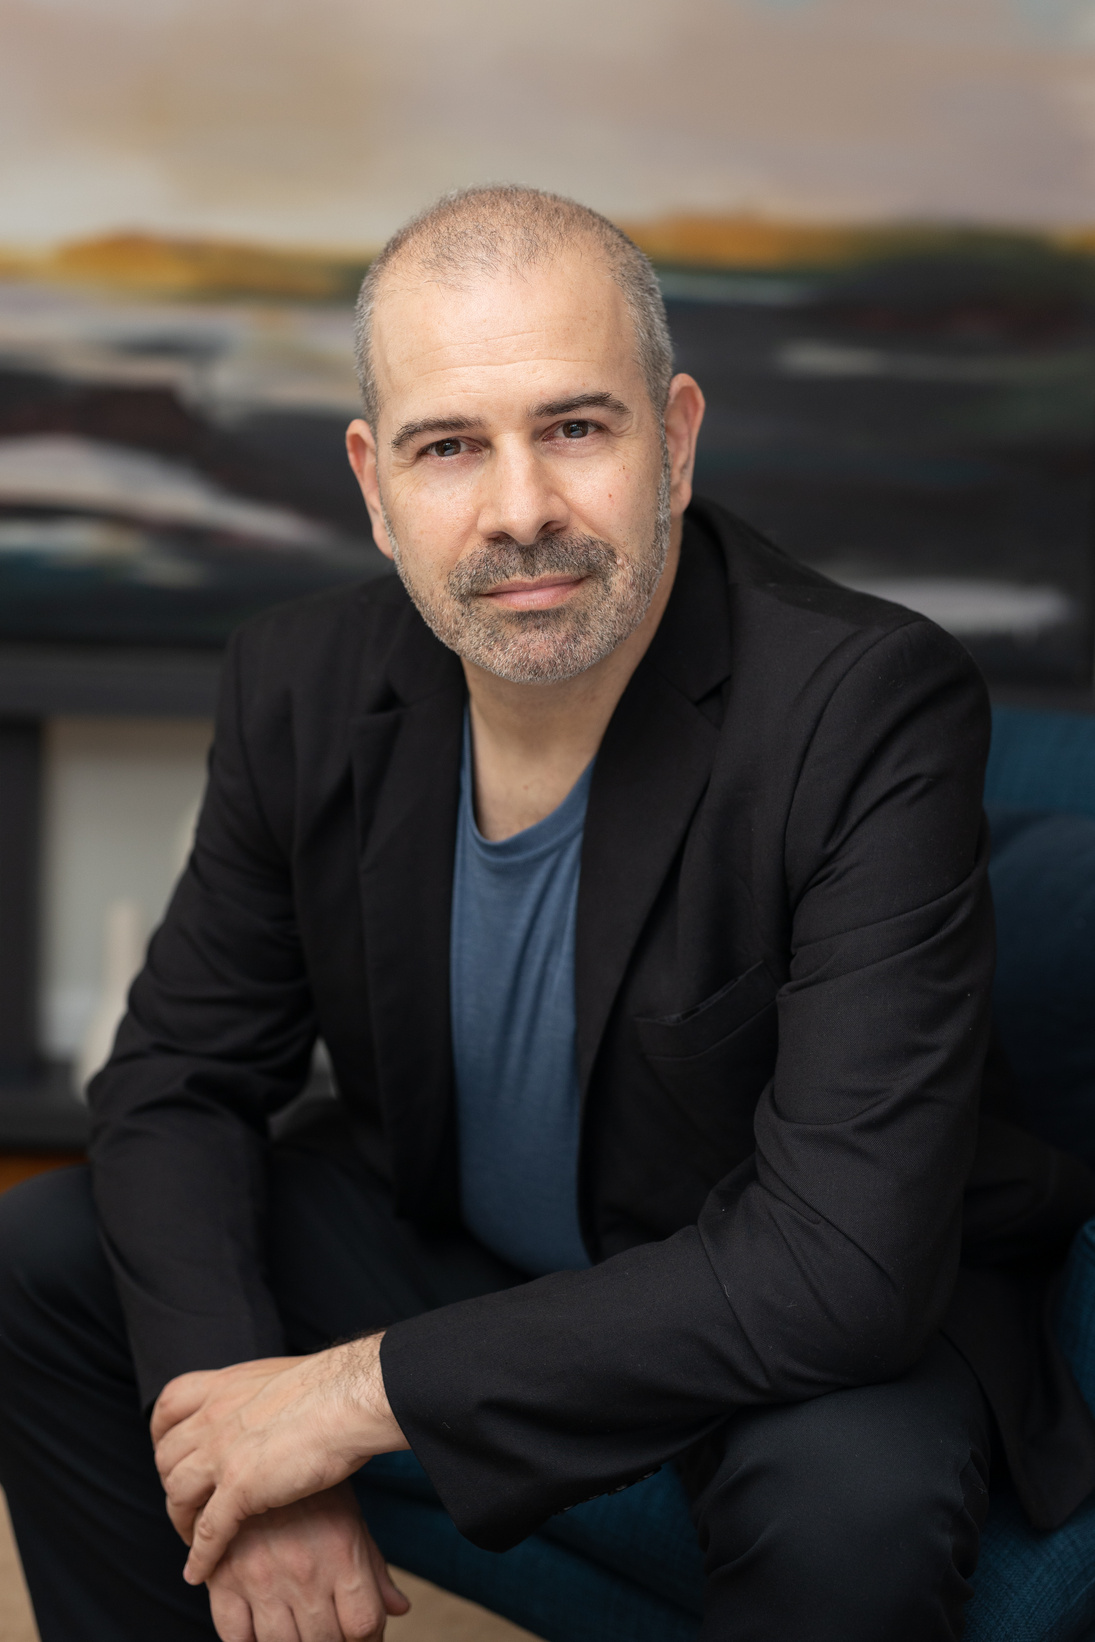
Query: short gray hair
pixel 507 226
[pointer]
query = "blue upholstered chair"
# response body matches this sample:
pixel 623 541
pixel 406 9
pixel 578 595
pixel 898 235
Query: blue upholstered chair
pixel 626 1568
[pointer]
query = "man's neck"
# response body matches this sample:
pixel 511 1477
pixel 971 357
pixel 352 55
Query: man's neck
pixel 531 742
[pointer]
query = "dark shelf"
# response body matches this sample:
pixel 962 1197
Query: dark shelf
pixel 43 680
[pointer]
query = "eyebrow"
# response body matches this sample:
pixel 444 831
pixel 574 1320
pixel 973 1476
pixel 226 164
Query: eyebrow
pixel 433 424
pixel 580 401
pixel 548 407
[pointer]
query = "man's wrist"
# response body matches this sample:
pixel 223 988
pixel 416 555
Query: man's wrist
pixel 375 1428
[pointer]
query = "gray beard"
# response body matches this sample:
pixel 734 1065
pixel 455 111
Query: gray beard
pixel 544 646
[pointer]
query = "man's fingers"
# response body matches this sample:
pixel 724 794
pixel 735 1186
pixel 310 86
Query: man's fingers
pixel 177 1443
pixel 365 1601
pixel 364 1595
pixel 190 1482
pixel 395 1602
pixel 213 1532
pixel 361 1616
pixel 187 1491
pixel 275 1622
pixel 179 1399
pixel 320 1622
pixel 231 1616
pixel 181 1518
pixel 315 1560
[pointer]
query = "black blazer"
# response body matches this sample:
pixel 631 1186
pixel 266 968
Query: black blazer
pixel 784 956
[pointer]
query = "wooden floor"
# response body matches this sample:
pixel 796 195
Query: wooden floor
pixel 435 1616
pixel 16 1619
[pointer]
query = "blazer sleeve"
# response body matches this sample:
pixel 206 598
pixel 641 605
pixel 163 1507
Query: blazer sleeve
pixel 828 1259
pixel 218 1035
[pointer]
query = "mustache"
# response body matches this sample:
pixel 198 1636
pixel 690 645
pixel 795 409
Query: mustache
pixel 484 568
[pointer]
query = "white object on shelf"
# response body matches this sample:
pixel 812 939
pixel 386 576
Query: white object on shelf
pixel 183 841
pixel 123 955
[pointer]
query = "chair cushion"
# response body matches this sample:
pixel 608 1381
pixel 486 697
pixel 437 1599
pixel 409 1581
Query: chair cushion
pixel 1041 1587
pixel 1042 761
pixel 1043 883
pixel 1034 1587
pixel 555 1590
pixel 644 1533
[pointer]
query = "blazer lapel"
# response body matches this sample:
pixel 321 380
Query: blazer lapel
pixel 406 767
pixel 651 772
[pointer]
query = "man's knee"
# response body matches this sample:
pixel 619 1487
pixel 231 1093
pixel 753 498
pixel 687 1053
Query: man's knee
pixel 865 1504
pixel 47 1225
pixel 55 1286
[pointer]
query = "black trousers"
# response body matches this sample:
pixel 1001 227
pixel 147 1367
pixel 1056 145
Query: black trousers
pixel 852 1518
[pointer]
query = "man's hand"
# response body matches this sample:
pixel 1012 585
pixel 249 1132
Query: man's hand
pixel 234 1442
pixel 308 1571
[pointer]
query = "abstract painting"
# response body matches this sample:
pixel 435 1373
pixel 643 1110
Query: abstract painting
pixel 874 221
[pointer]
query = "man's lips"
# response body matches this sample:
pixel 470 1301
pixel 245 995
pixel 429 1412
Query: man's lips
pixel 540 594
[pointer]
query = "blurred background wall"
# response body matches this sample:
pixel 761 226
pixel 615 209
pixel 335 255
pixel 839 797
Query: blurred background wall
pixel 875 225
pixel 120 800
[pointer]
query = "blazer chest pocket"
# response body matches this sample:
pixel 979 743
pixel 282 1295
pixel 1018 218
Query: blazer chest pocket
pixel 715 1059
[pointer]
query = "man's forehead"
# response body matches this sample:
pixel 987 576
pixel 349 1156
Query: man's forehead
pixel 567 314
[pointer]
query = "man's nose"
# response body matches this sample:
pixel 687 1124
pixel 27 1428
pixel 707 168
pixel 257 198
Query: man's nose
pixel 519 498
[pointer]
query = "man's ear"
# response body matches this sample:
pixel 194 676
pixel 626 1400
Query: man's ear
pixel 361 449
pixel 683 415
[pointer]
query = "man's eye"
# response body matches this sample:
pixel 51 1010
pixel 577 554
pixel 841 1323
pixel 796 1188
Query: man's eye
pixel 575 430
pixel 446 447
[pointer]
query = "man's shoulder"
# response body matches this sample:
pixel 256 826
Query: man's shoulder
pixel 796 643
pixel 783 588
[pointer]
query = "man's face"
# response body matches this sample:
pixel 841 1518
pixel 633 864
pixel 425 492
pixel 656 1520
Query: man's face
pixel 519 474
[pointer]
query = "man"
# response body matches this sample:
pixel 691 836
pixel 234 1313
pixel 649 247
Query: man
pixel 634 877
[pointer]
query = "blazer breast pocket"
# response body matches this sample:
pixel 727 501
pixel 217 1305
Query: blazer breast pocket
pixel 715 1059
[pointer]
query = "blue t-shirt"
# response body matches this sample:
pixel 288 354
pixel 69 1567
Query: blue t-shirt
pixel 514 908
